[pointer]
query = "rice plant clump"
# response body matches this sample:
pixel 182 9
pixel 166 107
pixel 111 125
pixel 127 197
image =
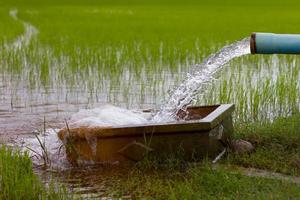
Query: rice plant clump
pixel 18 181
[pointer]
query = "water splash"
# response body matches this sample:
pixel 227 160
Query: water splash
pixel 107 115
pixel 45 149
pixel 196 81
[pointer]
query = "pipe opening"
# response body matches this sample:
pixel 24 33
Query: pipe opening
pixel 253 43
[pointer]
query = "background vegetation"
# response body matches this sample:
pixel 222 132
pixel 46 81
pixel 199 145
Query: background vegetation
pixel 132 53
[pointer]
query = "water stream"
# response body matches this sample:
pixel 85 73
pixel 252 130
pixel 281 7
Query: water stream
pixel 196 81
pixel 107 115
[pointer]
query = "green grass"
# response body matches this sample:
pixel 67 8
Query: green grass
pixel 17 180
pixel 277 145
pixel 202 183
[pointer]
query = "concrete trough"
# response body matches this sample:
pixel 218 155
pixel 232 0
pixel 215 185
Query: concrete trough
pixel 202 131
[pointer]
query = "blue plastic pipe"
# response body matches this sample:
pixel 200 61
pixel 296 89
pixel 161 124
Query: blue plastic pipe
pixel 270 43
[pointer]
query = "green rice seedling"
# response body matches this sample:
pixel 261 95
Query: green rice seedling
pixel 19 182
pixel 76 58
pixel 259 95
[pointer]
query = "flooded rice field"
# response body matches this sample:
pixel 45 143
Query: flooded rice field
pixel 44 82
pixel 29 95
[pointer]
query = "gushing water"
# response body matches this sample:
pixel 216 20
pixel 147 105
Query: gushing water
pixel 47 148
pixel 108 115
pixel 196 81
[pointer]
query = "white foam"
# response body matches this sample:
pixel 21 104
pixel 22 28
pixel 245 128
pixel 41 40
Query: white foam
pixel 46 145
pixel 107 115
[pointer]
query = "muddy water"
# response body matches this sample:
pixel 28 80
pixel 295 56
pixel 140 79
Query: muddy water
pixel 20 120
pixel 89 181
pixel 26 112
